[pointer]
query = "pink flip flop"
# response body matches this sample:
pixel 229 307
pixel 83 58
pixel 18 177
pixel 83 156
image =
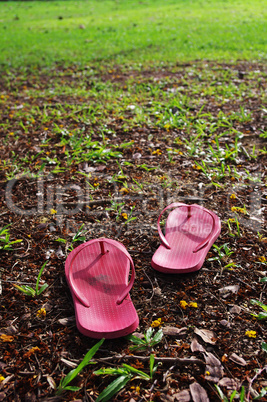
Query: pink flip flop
pixel 97 274
pixel 190 231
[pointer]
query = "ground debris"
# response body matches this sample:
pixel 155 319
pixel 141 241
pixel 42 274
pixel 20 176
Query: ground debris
pixel 198 393
pixel 193 133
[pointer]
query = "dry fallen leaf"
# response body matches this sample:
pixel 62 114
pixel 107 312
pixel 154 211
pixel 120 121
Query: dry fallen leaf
pixel 11 330
pixel 157 291
pixel 68 363
pixel 51 382
pixel 2 396
pixel 165 398
pixel 237 359
pixel 196 347
pixel 225 323
pixel 206 335
pixel 138 335
pixel 198 393
pixel 183 396
pixel 214 368
pixel 228 383
pixel 235 309
pixel 227 290
pixel 67 320
pixel 174 331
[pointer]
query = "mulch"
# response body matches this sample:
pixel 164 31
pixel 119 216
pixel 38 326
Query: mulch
pixel 37 349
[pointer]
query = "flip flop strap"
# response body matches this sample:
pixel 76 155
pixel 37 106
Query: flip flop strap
pixel 119 246
pixel 178 205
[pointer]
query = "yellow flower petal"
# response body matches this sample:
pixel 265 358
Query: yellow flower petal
pixel 238 209
pixel 156 323
pixel 251 334
pixel 193 304
pixel 124 190
pixel 183 304
pixel 6 338
pixel 196 167
pixel 157 152
pixel 41 313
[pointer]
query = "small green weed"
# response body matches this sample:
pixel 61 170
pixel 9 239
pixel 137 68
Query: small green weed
pixel 63 385
pixel 235 221
pixel 233 396
pixel 116 207
pixel 29 291
pixel 5 243
pixel 77 237
pixel 224 252
pixel 129 218
pixel 262 315
pixel 150 339
pixel 125 373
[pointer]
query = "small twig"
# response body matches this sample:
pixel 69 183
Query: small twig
pixel 4 213
pixel 139 251
pixel 167 373
pixel 153 292
pixel 177 361
pixel 87 396
pixel 153 386
pixel 14 266
pixel 253 379
pixel 244 283
pixel 102 201
pixel 28 247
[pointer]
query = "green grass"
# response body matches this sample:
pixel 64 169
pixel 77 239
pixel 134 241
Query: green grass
pixel 40 33
pixel 93 126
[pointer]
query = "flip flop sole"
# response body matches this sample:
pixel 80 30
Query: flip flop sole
pixel 101 279
pixel 184 234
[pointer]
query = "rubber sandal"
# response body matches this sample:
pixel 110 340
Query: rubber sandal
pixel 190 231
pixel 97 274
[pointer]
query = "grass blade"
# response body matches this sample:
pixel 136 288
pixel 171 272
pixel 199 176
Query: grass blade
pixel 151 365
pixel 42 289
pixel 39 276
pixel 86 360
pixel 113 388
pixel 27 290
pixel 140 373
pixel 258 303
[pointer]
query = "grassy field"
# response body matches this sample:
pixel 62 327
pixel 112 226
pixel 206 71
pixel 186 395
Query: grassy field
pixel 40 33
